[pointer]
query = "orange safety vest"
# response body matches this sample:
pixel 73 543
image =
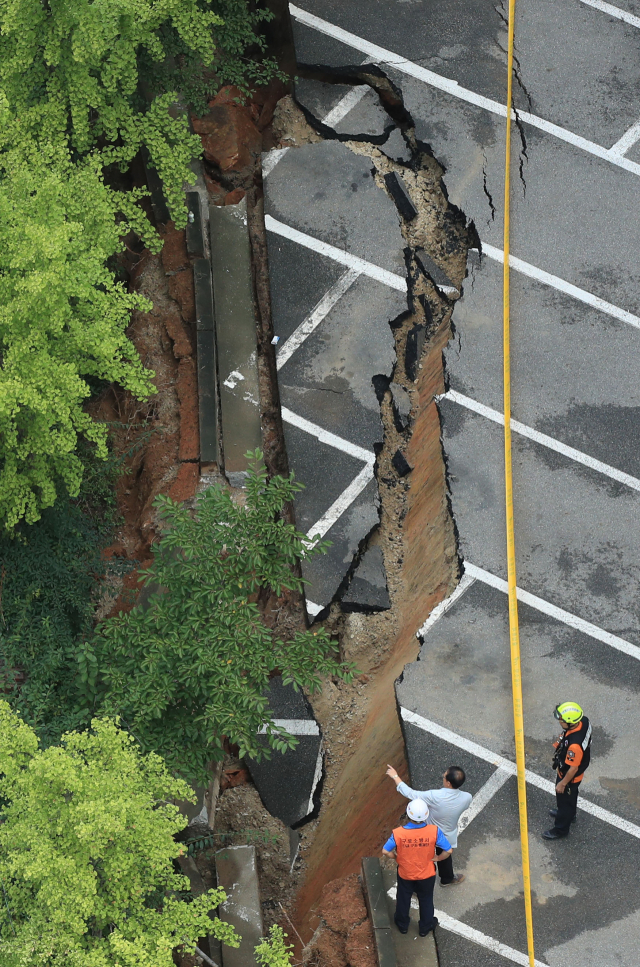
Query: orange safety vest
pixel 415 849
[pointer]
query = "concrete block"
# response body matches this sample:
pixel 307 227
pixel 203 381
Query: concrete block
pixel 207 397
pixel 413 352
pixel 396 147
pixel 439 278
pixel 401 406
pixel 287 782
pixel 367 591
pixel 374 892
pixel 203 291
pixel 399 193
pixel 400 464
pixel 195 228
pixel 235 333
pixel 237 874
pixel 367 120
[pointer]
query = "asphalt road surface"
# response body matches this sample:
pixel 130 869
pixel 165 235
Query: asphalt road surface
pixel 575 349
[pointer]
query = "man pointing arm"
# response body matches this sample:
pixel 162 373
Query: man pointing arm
pixel 446 805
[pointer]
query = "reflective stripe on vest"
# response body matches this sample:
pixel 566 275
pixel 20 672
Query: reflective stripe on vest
pixel 581 737
pixel 414 850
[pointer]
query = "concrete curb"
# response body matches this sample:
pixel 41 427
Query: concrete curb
pixel 237 873
pixel 376 900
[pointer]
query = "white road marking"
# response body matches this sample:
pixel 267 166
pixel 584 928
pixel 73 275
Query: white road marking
pixel 343 502
pixel 313 608
pixel 465 582
pixel 330 439
pixel 294 726
pixel 456 926
pixel 613 11
pixel 337 254
pixel 271 159
pixel 383 56
pixel 525 268
pixel 483 796
pixel 316 779
pixel 348 102
pixel 470 933
pixel 315 317
pixel 497 760
pixel 335 115
pixel 546 441
pixel 627 140
pixel 572 620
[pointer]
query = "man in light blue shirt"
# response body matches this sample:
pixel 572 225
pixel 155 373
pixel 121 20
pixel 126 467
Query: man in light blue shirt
pixel 446 805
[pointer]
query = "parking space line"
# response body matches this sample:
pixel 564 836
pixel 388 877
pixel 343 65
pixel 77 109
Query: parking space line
pixel 566 617
pixel 613 11
pixel 388 57
pixel 470 933
pixel 330 439
pixel 337 254
pixel 335 115
pixel 546 441
pixel 487 755
pixel 627 140
pixel 526 268
pixel 343 502
pixel 315 317
pixel 483 940
pixel 484 795
pixel 465 582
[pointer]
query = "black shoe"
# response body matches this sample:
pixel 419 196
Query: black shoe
pixel 406 929
pixel 553 834
pixel 554 813
pixel 433 927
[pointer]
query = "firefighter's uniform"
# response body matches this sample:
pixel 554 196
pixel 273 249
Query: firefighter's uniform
pixel 573 748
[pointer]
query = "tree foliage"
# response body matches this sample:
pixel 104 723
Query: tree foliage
pixel 62 321
pixel 86 850
pixel 273 951
pixel 191 665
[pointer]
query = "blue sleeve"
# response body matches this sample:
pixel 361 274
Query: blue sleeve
pixel 391 844
pixel 442 841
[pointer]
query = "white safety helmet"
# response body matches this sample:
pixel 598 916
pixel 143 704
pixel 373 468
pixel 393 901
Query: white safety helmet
pixel 418 811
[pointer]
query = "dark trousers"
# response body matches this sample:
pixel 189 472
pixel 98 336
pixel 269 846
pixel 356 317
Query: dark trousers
pixel 445 868
pixel 567 802
pixel 424 891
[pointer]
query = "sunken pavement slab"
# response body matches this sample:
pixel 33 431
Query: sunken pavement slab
pixel 287 782
pixel 337 268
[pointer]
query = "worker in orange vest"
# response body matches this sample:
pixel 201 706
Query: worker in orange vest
pixel 414 844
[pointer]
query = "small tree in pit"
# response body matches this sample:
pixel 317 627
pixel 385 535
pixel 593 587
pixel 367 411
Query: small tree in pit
pixel 192 666
pixel 86 850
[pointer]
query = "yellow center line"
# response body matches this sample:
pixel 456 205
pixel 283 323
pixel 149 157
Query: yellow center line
pixel 514 633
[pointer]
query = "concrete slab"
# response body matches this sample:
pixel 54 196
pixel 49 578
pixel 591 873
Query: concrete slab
pixel 327 191
pixel 235 333
pixel 329 379
pixel 195 226
pixel 401 403
pixel 411 949
pixel 366 121
pixel 237 873
pixel 326 574
pixel 287 782
pixel 367 589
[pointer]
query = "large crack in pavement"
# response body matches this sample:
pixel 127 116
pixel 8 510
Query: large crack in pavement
pixel 416 530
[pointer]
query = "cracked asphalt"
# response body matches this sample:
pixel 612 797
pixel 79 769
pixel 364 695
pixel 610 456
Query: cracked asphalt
pixel 576 351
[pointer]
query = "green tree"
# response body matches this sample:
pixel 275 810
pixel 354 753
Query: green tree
pixel 191 665
pixel 62 322
pixel 86 850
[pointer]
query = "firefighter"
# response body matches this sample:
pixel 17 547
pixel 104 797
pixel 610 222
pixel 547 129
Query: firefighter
pixel 415 847
pixel 571 759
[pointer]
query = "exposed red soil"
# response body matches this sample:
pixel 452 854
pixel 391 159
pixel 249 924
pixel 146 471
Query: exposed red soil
pixel 159 437
pixel 345 935
pixel 363 807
